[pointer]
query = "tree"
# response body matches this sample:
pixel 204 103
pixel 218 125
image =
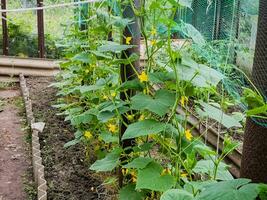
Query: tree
pixel 254 160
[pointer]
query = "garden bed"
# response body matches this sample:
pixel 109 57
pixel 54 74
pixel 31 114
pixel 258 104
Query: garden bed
pixel 65 171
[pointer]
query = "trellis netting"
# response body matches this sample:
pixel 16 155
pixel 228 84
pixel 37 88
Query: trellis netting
pixel 22 28
pixel 231 21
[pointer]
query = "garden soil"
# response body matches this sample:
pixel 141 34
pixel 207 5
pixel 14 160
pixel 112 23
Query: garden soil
pixel 67 174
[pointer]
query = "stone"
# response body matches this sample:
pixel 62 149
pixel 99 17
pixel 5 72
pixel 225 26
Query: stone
pixel 38 126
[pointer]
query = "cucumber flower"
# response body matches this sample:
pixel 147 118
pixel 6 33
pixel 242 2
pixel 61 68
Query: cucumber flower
pixel 143 77
pixel 188 135
pixel 183 101
pixel 112 128
pixel 88 135
pixel 128 40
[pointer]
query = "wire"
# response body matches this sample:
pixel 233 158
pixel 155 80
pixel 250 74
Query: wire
pixel 50 7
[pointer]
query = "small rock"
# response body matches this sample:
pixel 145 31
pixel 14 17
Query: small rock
pixel 16 157
pixel 11 146
pixel 39 126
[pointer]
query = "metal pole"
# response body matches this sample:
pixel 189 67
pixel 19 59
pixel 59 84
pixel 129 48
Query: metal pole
pixel 110 32
pixel 4 28
pixel 126 71
pixel 217 27
pixel 237 21
pixel 40 26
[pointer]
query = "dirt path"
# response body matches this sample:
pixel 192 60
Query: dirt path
pixel 13 156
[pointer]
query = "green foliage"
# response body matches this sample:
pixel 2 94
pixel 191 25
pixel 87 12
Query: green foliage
pixel 164 160
pixel 160 104
pixel 108 163
pixel 143 128
pixel 21 43
pixel 129 193
pixel 151 178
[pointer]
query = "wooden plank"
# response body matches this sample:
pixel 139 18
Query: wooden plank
pixel 29 63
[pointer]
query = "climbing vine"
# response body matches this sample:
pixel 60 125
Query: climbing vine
pixel 165 159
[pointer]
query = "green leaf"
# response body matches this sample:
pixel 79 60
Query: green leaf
pixel 176 194
pixel 143 128
pixel 263 191
pixel 191 32
pixel 238 189
pixel 160 77
pixel 150 178
pixel 204 150
pixel 219 116
pixel 82 57
pixel 107 110
pixel 133 57
pixel 89 88
pixel 160 104
pixel 132 84
pixel 252 99
pixel 114 47
pixel 257 111
pixel 100 54
pixel 108 163
pixel 143 147
pixel 109 138
pixel 129 193
pixel 207 167
pixel 139 163
pixel 71 143
pixel 200 75
pixel 83 118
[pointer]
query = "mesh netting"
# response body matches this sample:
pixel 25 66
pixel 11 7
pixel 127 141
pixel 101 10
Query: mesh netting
pixel 22 26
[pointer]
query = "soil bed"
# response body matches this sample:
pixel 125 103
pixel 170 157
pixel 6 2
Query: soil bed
pixel 67 175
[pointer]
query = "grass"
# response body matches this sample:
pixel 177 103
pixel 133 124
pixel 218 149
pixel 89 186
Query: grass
pixel 53 18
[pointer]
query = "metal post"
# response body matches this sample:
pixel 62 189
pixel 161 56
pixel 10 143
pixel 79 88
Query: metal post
pixel 4 28
pixel 237 21
pixel 126 71
pixel 40 26
pixel 217 27
pixel 110 32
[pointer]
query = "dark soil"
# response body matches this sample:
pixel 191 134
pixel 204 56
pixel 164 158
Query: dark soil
pixel 67 175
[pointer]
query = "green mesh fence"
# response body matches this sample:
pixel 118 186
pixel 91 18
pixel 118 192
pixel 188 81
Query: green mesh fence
pixel 216 19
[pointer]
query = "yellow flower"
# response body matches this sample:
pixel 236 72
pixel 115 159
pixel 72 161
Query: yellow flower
pixel 153 42
pixel 88 135
pixel 93 65
pixel 133 174
pixel 124 172
pixel 113 94
pixel 166 171
pixel 153 31
pixel 188 135
pixel 143 77
pixel 130 117
pixel 184 100
pixel 184 175
pixel 112 128
pixel 128 40
pixel 142 117
pixel 105 97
